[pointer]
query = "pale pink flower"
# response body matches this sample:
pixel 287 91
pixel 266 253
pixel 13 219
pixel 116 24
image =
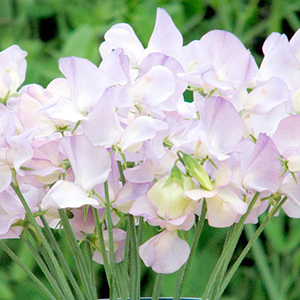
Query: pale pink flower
pixel 119 238
pixel 12 70
pixel 91 166
pixel 165 253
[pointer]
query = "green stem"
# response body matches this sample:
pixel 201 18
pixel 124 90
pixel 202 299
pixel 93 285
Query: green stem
pixel 89 262
pixel 39 248
pixel 102 244
pixel 44 268
pixel 227 253
pixel 134 260
pixel 110 244
pixel 55 246
pixel 122 281
pixel 251 242
pixel 219 279
pixel 157 287
pixel 77 254
pixel 59 274
pixel 122 177
pixel 198 231
pixel 36 280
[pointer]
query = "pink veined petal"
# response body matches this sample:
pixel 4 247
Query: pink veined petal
pixel 233 196
pixel 266 96
pixel 291 188
pixel 12 69
pixel 140 174
pixel 143 207
pixel 90 164
pixel 268 123
pixel 225 208
pixel 29 103
pixel 155 86
pixel 166 38
pixel 232 62
pixel 220 126
pixel 102 126
pixel 86 81
pixel 11 210
pixel 295 44
pixel 119 237
pixel 291 209
pixel 197 194
pixel 279 60
pixel 83 223
pixel 287 133
pixel 23 150
pixel 6 220
pixel 5 177
pixel 122 36
pixel 165 253
pixel 141 129
pixel 116 67
pixel 62 110
pixel 66 194
pixel 264 169
pixel 183 223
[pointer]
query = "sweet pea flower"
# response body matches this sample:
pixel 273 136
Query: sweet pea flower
pixel 165 253
pixel 32 99
pixel 12 70
pixel 83 222
pixel 15 151
pixel 290 188
pixel 82 89
pixel 279 59
pixel 12 210
pixel 168 196
pixel 119 238
pixel 259 165
pixel 218 131
pixel 90 165
pixel 128 139
pixel 286 139
pixel 218 61
pixel 165 39
pixel 224 202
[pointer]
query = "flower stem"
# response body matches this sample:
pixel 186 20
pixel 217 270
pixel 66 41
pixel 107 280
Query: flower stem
pixel 248 247
pixel 59 274
pixel 134 260
pixel 102 244
pixel 36 280
pixel 77 253
pixel 181 279
pixel 55 246
pixel 91 271
pixel 44 268
pixel 110 244
pixel 157 286
pixel 226 254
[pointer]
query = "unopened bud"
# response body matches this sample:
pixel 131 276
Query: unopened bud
pixel 168 196
pixel 196 170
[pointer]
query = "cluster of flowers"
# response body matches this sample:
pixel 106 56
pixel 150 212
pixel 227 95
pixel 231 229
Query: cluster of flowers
pixel 127 123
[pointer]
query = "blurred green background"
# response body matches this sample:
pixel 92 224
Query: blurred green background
pixel 50 29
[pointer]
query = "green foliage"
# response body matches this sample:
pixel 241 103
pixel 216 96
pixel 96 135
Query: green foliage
pixel 50 29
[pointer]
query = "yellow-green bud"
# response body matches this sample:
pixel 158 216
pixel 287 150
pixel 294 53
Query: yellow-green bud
pixel 167 195
pixel 196 170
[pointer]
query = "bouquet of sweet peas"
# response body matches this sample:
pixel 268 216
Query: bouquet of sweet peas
pixel 170 135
